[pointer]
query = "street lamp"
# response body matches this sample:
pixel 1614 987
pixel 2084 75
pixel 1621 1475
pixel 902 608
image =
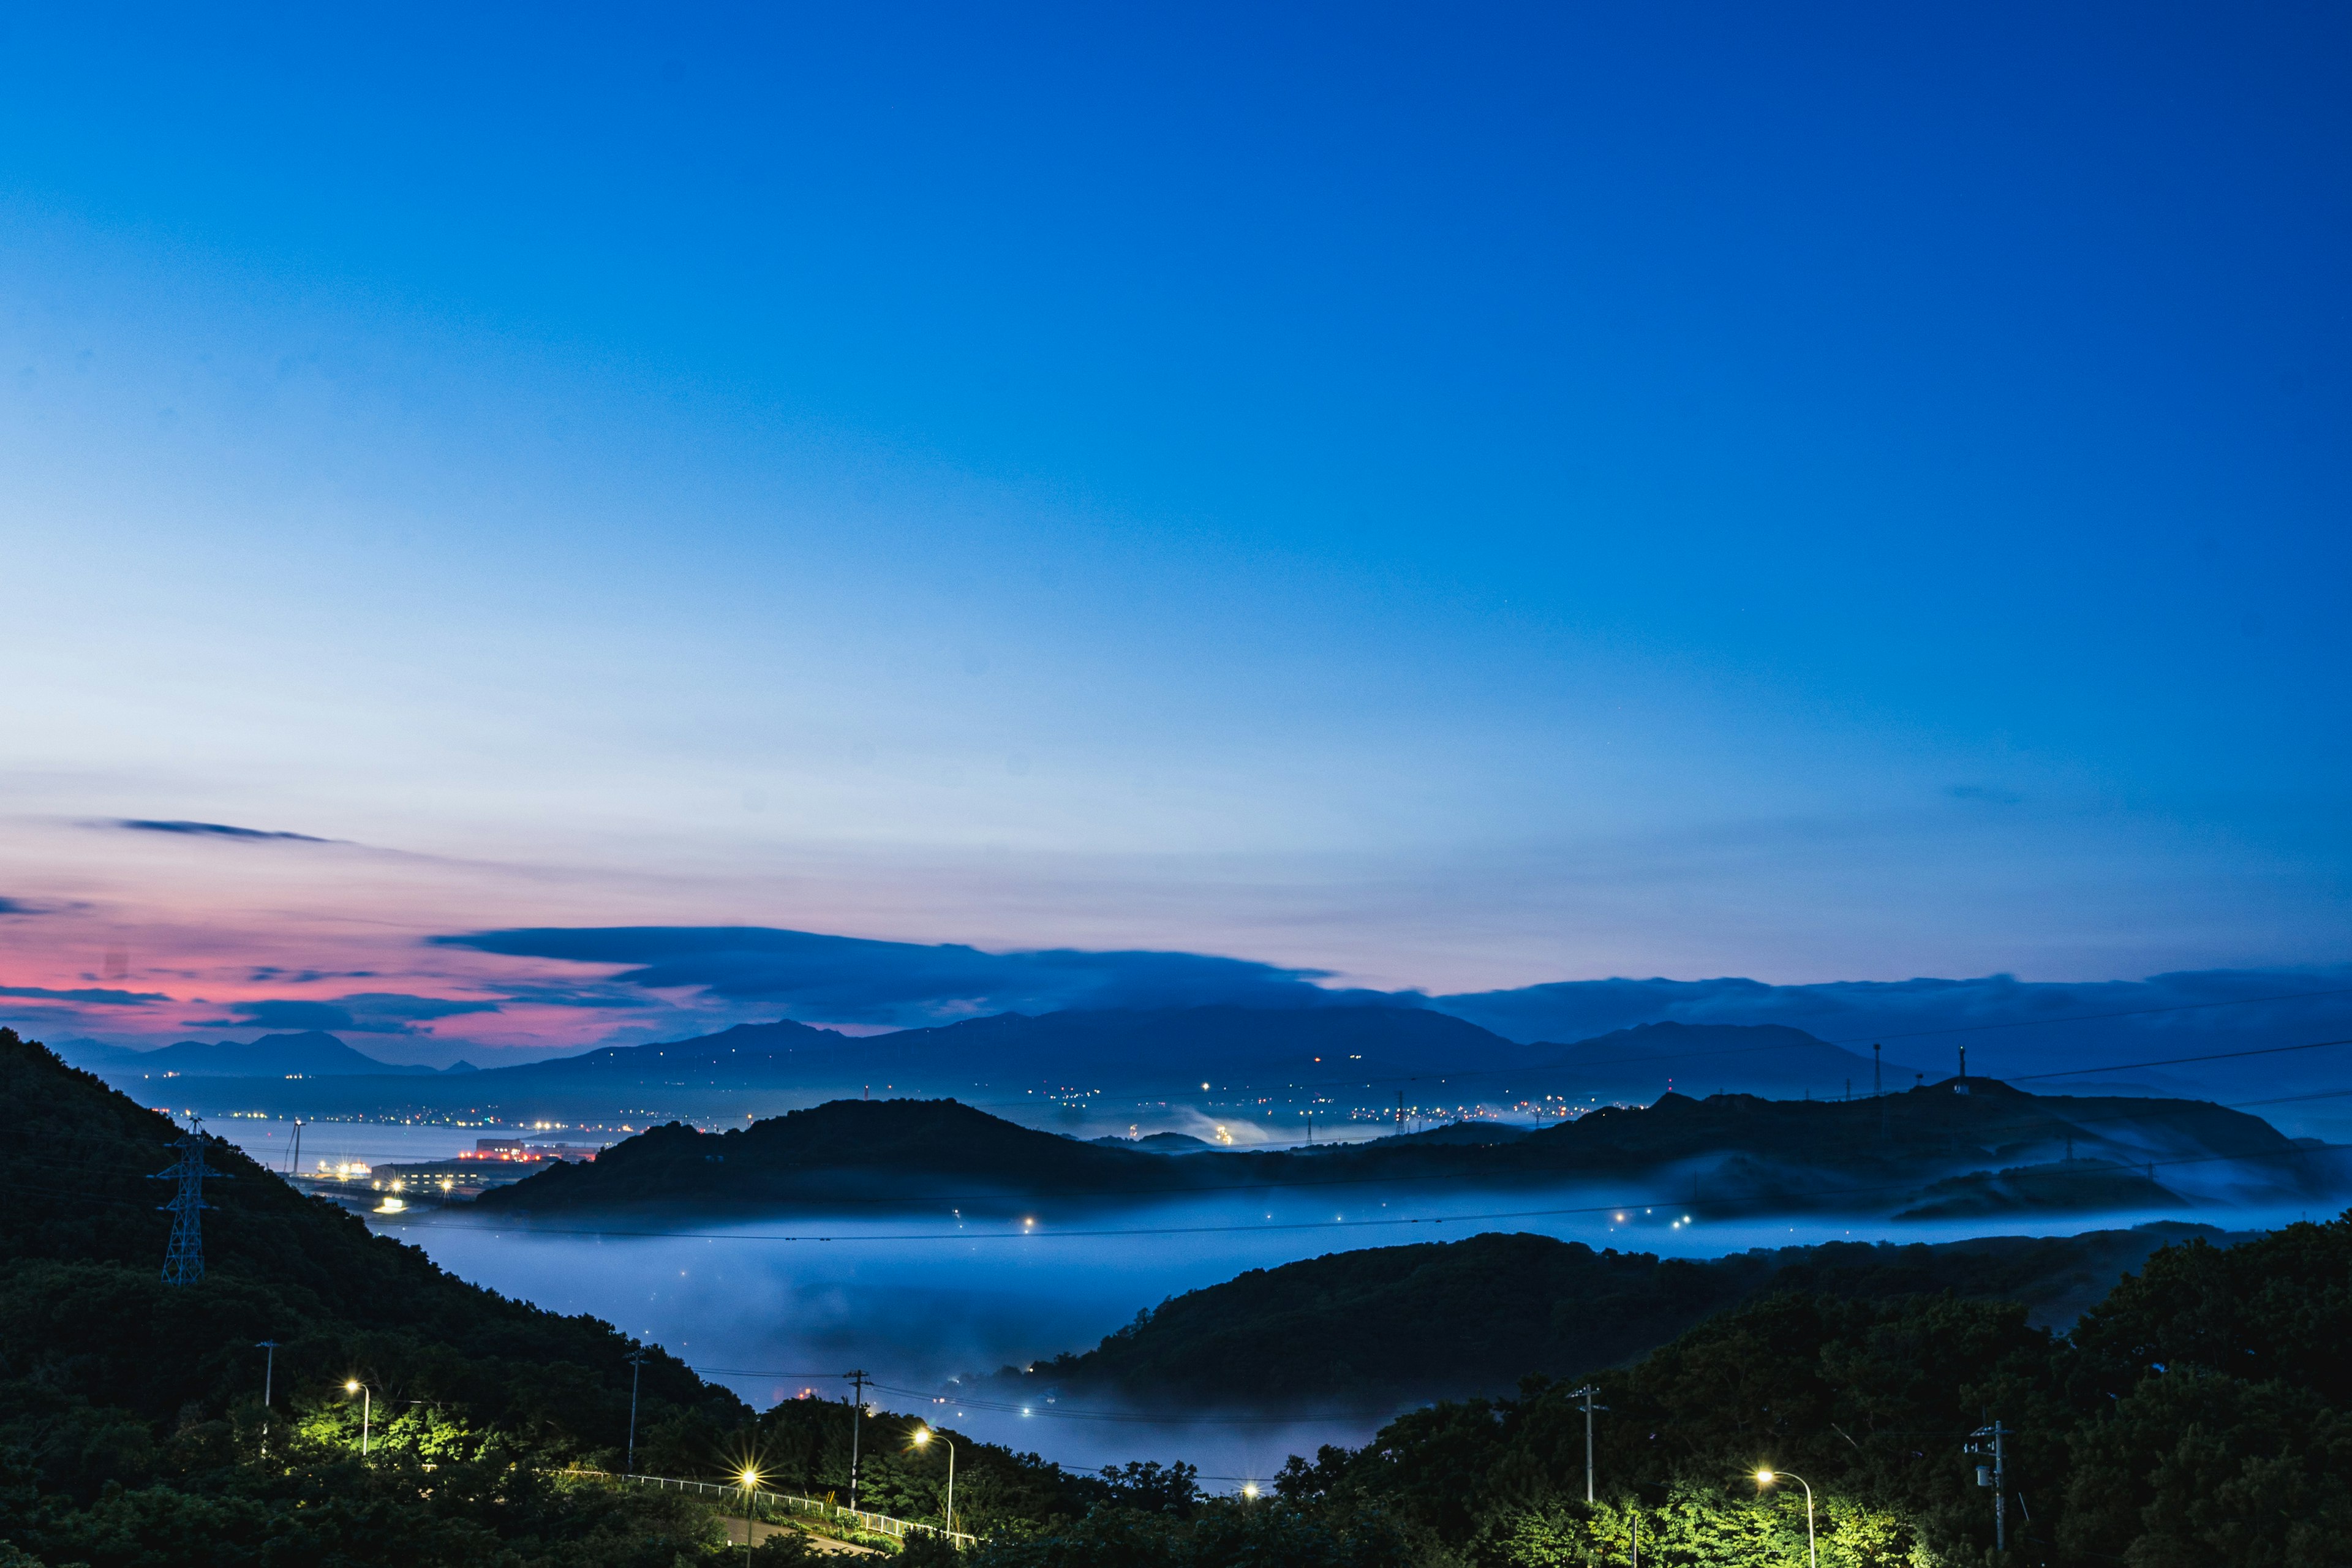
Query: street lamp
pixel 923 1435
pixel 354 1386
pixel 1766 1478
pixel 750 1478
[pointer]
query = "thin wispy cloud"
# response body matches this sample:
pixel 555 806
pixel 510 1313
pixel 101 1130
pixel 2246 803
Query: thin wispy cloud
pixel 214 830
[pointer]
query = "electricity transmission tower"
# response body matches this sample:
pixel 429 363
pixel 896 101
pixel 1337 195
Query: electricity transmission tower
pixel 183 1261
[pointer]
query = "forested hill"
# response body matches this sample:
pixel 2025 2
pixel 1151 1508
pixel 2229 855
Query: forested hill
pixel 84 1317
pixel 1385 1326
pixel 1725 1154
pixel 845 1150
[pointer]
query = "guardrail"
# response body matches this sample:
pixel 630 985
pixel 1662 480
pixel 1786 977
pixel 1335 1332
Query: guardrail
pixel 873 1523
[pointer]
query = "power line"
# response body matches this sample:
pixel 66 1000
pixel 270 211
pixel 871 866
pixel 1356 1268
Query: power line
pixel 2177 1061
pixel 2095 1018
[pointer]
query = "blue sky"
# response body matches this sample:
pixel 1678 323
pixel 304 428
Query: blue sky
pixel 1449 500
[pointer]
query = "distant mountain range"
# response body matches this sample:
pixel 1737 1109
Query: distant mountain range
pixel 311 1053
pixel 1269 1066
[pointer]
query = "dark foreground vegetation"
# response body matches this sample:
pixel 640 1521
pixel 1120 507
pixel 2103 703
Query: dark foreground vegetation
pixel 2201 1414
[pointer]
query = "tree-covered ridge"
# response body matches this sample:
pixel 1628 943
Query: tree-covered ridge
pixel 1439 1319
pixel 843 1150
pixel 1726 1155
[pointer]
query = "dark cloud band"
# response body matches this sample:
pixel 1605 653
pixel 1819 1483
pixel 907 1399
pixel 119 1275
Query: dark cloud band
pixel 852 980
pixel 364 1013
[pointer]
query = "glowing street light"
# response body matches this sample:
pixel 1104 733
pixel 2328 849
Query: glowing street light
pixel 749 1477
pixel 923 1436
pixel 354 1386
pixel 1766 1478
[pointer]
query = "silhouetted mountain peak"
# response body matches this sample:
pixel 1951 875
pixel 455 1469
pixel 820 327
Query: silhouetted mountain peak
pixel 313 1053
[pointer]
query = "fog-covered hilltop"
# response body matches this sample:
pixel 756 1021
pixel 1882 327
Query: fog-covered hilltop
pixel 1723 1154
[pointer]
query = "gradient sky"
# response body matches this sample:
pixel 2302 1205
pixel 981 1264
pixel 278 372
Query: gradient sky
pixel 1451 496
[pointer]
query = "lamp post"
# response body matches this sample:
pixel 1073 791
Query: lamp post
pixel 923 1435
pixel 1766 1478
pixel 354 1386
pixel 750 1479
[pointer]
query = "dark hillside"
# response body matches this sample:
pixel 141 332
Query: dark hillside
pixel 84 1316
pixel 1941 1129
pixel 1726 1155
pixel 1443 1319
pixel 846 1150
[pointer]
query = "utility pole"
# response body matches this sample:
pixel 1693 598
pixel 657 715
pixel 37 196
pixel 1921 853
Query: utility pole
pixel 857 1381
pixel 1996 1476
pixel 1586 1393
pixel 1400 1112
pixel 184 1259
pixel 637 1359
pixel 294 1160
pixel 268 1378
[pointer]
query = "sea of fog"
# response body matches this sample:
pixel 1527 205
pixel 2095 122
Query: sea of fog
pixel 778 1308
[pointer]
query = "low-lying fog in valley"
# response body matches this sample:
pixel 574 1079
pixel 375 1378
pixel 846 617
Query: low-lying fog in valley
pixel 776 1308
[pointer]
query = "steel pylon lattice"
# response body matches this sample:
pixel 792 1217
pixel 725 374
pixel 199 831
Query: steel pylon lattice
pixel 184 1260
